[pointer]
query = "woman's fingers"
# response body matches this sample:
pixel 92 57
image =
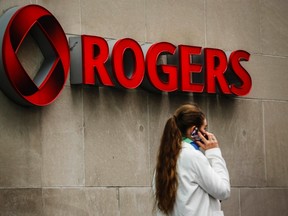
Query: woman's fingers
pixel 209 142
pixel 203 138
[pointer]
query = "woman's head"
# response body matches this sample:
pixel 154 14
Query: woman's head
pixel 185 119
pixel 189 116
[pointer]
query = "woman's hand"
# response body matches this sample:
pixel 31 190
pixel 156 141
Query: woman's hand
pixel 209 143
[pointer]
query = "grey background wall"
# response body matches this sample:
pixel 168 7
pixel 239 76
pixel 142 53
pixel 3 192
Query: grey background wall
pixel 92 152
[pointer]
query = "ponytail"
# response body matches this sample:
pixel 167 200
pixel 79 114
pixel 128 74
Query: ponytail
pixel 166 182
pixel 166 176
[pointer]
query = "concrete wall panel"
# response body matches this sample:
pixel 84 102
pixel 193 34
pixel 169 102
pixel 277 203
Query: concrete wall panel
pixel 178 22
pixel 116 141
pixel 266 202
pixel 238 126
pixel 231 206
pixel 274 31
pixel 114 19
pixel 63 141
pixel 80 202
pixel 63 159
pixel 269 75
pixel 233 25
pixel 136 201
pixel 275 124
pixel 20 143
pixel 26 202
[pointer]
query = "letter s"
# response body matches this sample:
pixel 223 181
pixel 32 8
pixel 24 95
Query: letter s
pixel 234 61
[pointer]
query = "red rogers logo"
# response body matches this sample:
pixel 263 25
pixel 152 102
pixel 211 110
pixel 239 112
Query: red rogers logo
pixel 124 63
pixel 36 21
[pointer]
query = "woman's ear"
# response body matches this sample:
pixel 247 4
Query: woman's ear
pixel 190 130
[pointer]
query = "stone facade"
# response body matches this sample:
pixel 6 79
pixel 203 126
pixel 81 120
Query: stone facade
pixel 93 151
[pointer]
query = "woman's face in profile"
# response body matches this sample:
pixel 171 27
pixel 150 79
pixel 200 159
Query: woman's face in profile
pixel 204 126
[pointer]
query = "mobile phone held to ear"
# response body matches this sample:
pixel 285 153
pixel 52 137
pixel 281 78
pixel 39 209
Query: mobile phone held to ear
pixel 195 136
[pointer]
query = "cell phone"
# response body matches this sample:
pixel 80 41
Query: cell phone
pixel 195 136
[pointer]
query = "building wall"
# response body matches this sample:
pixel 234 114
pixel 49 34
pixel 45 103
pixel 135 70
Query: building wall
pixel 92 151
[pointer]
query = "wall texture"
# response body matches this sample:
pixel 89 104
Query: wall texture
pixel 92 152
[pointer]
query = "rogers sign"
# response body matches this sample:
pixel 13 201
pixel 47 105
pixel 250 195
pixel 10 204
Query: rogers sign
pixel 97 61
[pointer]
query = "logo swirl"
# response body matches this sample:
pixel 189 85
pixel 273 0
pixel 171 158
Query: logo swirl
pixel 35 21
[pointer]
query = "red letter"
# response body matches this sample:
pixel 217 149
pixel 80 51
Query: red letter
pixel 215 69
pixel 134 79
pixel 235 58
pixel 151 60
pixel 95 53
pixel 187 68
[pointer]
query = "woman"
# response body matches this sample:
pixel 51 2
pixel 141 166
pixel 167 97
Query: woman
pixel 191 175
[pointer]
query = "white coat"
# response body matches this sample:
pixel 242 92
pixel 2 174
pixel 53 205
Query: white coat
pixel 203 180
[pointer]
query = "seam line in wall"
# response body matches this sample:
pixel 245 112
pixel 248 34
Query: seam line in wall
pixel 264 144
